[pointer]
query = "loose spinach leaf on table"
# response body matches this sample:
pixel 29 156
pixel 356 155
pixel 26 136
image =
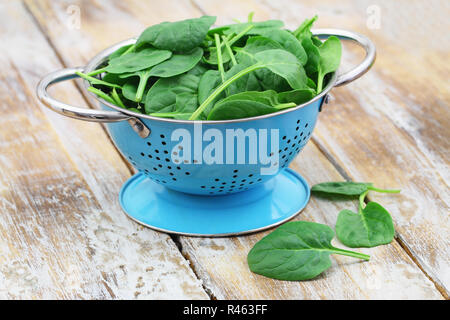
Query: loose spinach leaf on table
pixel 371 227
pixel 180 36
pixel 298 250
pixel 347 188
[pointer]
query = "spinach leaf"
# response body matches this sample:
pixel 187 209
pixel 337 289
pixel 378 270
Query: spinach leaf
pixel 288 42
pixel 371 227
pixel 224 61
pixel 257 27
pixel 310 83
pixel 247 104
pixel 278 61
pixel 208 82
pixel 317 42
pixel 180 36
pixel 136 61
pixel 304 30
pixel 285 65
pixel 119 52
pixel 266 79
pixel 254 45
pixel 298 250
pixel 114 78
pixel 130 88
pixel 161 102
pixel 185 104
pixel 238 109
pixel 198 70
pixel 177 64
pixel 324 59
pixel 143 75
pixel 298 96
pixel 269 97
pixel 212 59
pixel 270 79
pixel 347 188
pixel 162 95
pixel 247 82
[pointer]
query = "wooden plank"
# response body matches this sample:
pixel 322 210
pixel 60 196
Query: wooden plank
pixel 211 258
pixel 397 113
pixel 390 274
pixel 63 232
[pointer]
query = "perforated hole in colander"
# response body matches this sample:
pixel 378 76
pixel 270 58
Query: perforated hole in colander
pixel 154 161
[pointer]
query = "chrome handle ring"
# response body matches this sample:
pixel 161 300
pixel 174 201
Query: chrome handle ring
pixel 68 110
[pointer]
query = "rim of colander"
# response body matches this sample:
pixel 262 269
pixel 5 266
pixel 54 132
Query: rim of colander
pixel 103 55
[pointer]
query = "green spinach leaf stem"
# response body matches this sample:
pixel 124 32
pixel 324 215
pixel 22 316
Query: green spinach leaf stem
pixel 351 253
pixel 222 87
pixel 384 190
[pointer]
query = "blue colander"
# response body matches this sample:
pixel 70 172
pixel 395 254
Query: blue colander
pixel 182 192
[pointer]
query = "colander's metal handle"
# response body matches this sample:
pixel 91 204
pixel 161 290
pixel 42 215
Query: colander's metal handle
pixel 363 41
pixel 68 110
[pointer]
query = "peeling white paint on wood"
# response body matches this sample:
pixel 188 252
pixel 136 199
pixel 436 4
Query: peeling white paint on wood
pixel 64 234
pixel 389 273
pixel 391 127
pixel 221 263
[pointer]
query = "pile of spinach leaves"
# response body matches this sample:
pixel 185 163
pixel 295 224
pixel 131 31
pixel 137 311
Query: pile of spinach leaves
pixel 300 250
pixel 186 70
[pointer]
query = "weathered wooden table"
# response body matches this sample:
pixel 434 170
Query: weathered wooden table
pixel 63 234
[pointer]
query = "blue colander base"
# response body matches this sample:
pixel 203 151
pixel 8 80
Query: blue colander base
pixel 266 205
